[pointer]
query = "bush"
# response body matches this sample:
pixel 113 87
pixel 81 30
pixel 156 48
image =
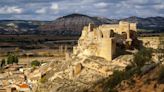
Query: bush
pixel 119 76
pixel 116 78
pixel 161 75
pixel 35 63
pixel 143 56
pixel 12 58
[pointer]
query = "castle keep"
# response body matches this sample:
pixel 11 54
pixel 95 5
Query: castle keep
pixel 101 40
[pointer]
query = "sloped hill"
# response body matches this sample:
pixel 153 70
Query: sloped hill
pixel 149 23
pixel 20 26
pixel 72 22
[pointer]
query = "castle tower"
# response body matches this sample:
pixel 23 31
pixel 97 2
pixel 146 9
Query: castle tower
pixel 107 48
pixel 133 26
pixel 125 27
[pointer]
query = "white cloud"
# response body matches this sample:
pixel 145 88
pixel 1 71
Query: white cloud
pixel 55 6
pixel 41 11
pixel 158 7
pixel 101 5
pixel 10 9
pixel 137 1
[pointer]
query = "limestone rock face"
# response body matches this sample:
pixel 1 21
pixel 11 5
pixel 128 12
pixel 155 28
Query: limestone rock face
pixel 77 69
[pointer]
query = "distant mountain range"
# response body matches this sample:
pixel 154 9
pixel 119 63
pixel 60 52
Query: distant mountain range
pixel 73 24
pixel 155 24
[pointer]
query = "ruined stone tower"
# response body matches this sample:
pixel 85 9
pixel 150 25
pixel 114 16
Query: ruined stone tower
pixel 101 40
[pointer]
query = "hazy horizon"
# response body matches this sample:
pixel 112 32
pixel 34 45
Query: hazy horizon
pixel 48 10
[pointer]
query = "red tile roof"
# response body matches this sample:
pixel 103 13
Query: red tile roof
pixel 23 86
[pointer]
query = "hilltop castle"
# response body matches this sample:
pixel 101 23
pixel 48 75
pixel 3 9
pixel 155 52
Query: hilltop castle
pixel 101 40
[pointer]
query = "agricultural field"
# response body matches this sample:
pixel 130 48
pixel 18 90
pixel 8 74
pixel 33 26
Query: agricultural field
pixel 42 48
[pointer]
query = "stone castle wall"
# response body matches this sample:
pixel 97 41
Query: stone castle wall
pixel 101 40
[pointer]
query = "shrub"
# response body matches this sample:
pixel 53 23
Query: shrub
pixel 116 78
pixel 119 76
pixel 143 56
pixel 35 63
pixel 12 58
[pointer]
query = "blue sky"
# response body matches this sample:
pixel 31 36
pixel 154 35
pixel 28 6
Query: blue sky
pixel 52 9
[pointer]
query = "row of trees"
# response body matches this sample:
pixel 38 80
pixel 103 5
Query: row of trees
pixel 11 59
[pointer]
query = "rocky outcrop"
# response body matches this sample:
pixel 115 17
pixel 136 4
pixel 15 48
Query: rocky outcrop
pixel 78 74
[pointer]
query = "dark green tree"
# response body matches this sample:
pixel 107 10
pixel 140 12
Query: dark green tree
pixel 15 59
pixel 35 63
pixel 12 59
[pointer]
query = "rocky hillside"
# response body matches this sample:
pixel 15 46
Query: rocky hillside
pixel 151 81
pixel 126 73
pixel 76 22
pixel 73 24
pixel 75 75
pixel 20 26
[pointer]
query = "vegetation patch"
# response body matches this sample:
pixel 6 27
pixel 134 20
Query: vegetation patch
pixel 12 58
pixel 144 55
pixel 35 63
